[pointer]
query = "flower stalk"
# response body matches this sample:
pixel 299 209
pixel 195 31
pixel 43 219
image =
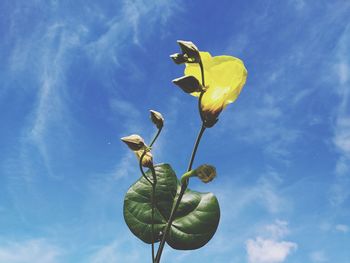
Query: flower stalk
pixel 178 201
pixel 153 183
pixel 185 183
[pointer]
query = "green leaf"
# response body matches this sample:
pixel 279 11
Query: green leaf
pixel 196 219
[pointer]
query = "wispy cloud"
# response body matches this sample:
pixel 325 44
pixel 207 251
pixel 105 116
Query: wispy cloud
pixel 134 20
pixel 128 113
pixel 318 256
pixel 341 139
pixel 277 230
pixel 117 251
pixel 270 249
pixel 269 128
pixel 298 4
pixel 43 56
pixel 51 108
pixel 264 193
pixel 32 250
pixel 342 228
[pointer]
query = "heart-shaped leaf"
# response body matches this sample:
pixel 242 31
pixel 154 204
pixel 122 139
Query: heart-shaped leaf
pixel 196 219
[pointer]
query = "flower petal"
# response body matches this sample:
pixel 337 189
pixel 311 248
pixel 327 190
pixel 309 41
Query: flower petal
pixel 229 75
pixel 193 69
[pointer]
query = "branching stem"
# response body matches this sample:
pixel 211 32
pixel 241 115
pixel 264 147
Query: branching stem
pixel 185 184
pixel 153 184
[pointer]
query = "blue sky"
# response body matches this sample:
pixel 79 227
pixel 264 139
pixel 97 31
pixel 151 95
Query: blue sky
pixel 75 76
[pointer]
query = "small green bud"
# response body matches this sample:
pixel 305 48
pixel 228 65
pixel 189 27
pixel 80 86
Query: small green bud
pixel 206 173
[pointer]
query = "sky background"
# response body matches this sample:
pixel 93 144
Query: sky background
pixel 75 76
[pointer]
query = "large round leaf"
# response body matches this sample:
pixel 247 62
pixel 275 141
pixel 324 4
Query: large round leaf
pixel 196 219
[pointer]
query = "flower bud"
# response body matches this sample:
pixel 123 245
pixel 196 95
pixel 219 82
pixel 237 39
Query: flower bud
pixel 190 50
pixel 134 142
pixel 179 58
pixel 206 173
pixel 147 157
pixel 188 84
pixel 157 118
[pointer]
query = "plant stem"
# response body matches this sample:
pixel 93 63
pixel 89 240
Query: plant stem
pixel 182 191
pixel 199 137
pixel 153 184
pixel 200 106
pixel 155 137
pixel 153 187
pixel 185 184
pixel 202 72
pixel 153 199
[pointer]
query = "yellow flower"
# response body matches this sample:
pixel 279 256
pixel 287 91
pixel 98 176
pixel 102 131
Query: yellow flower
pixel 224 78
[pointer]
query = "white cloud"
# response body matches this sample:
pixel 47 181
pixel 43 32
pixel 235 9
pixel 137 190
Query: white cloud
pixel 269 248
pixel 33 250
pixel 318 256
pixel 342 228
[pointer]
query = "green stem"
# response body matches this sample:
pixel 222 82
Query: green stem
pixel 184 184
pixel 201 94
pixel 155 137
pixel 199 137
pixel 153 187
pixel 202 72
pixel 153 199
pixel 144 153
pixel 200 106
pixel 182 191
pixel 153 184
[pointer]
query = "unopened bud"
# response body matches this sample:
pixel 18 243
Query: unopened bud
pixel 190 50
pixel 157 118
pixel 206 173
pixel 134 142
pixel 179 58
pixel 147 157
pixel 188 84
